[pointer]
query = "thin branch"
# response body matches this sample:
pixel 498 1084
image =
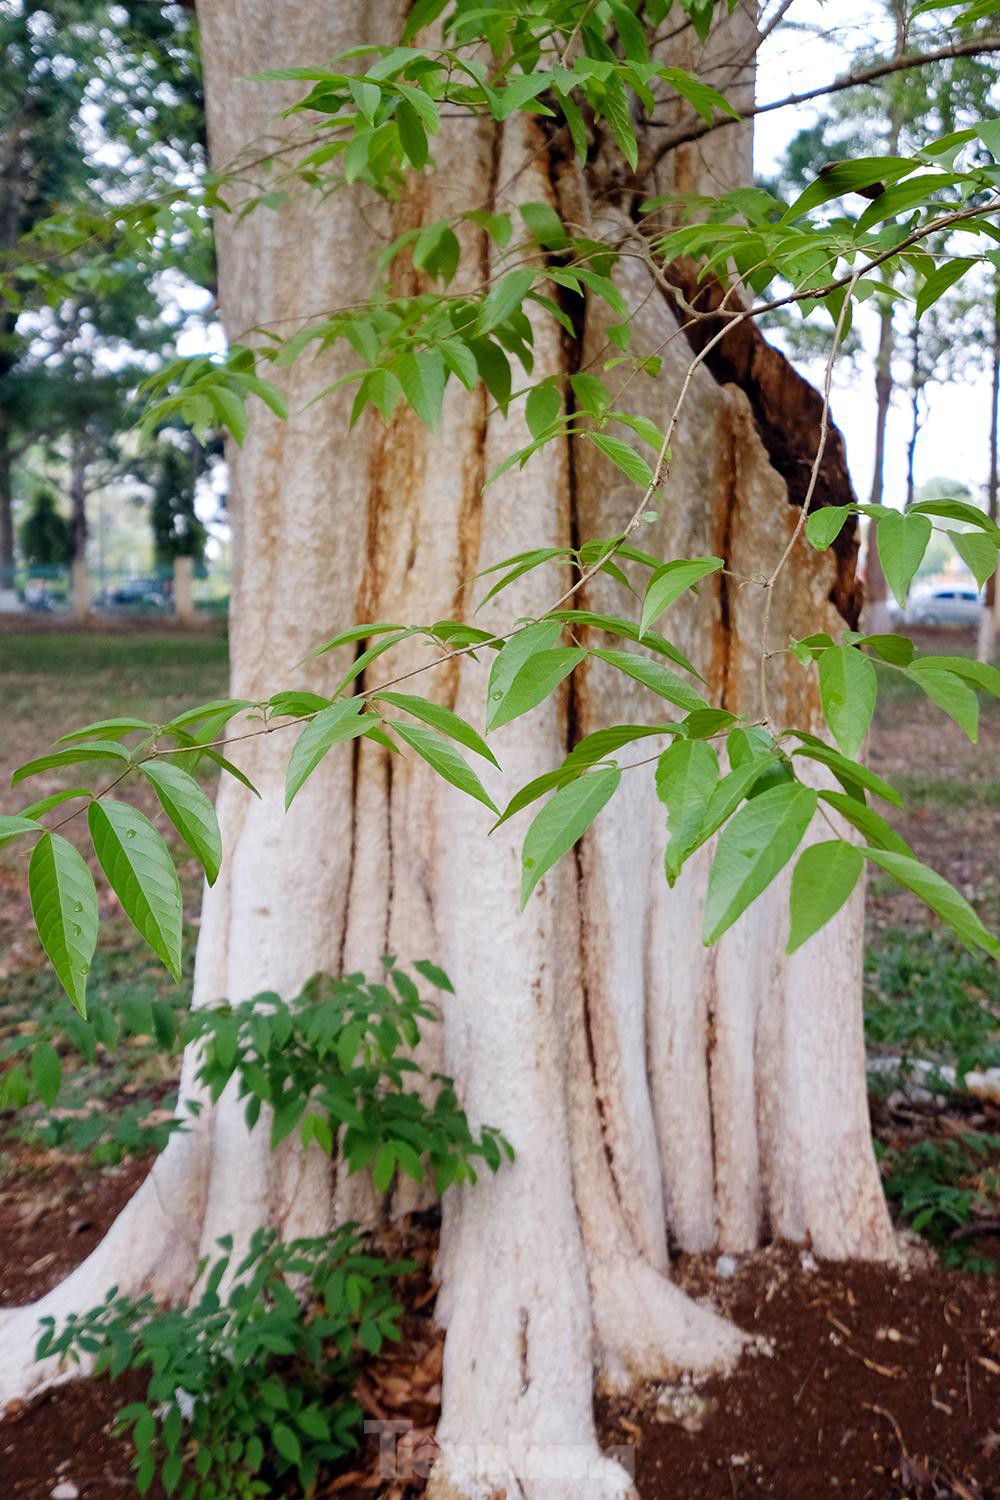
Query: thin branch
pixel 824 433
pixel 697 129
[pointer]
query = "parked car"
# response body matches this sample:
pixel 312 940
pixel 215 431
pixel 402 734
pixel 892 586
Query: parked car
pixel 945 606
pixel 136 594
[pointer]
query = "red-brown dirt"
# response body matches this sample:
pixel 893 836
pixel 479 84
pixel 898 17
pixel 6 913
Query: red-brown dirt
pixel 865 1382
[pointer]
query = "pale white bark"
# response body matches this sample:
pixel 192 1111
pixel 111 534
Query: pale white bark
pixel 651 1092
pixel 989 625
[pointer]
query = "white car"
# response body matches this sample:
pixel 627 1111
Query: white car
pixel 945 606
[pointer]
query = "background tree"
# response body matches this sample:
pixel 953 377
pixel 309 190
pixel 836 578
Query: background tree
pixel 885 118
pixel 177 529
pixel 46 539
pixel 98 103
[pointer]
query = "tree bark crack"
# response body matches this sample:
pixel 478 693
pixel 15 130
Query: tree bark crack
pixel 787 412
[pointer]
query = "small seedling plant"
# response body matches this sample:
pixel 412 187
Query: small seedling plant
pixel 249 1388
pixel 334 1063
pixel 943 1188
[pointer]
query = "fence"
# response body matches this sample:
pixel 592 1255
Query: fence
pixel 180 591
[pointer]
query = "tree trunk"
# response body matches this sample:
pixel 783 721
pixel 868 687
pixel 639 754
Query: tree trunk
pixel 6 513
pixel 655 1094
pixel 986 643
pixel 877 616
pixel 79 530
pixel 916 388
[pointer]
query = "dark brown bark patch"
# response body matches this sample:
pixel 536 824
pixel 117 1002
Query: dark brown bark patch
pixel 787 412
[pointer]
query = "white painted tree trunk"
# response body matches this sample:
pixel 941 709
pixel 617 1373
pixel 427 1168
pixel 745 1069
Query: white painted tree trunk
pixel 654 1093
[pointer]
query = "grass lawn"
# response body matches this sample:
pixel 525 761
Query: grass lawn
pixel 926 996
pixel 110 1104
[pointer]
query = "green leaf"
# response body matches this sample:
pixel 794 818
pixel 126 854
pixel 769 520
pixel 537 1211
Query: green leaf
pixel 313 1423
pixel 628 629
pixel 382 389
pixel 422 377
pixel 939 280
pixel 845 770
pixel 64 905
pixel 902 541
pixel 141 873
pixel 658 678
pixel 296 705
pixel 867 821
pixel 941 897
pixel 563 820
pixel 848 688
pixel 56 799
pixel 286 1442
pixel 445 760
pixel 537 787
pixel 822 880
pixel 230 410
pixel 514 653
pixel 979 673
pixel 978 552
pixel 672 580
pixel 434 975
pixel 614 107
pixel 190 811
pixel 950 694
pixel 442 719
pixel 524 88
pixel 897 649
pixel 73 756
pixel 412 135
pixel 686 776
pixel 385 1166
pixel 220 711
pixel 226 765
pixel 957 510
pixel 534 680
pixel 11 826
pixel 632 464
pixel 46 1072
pixel 107 729
pixel 349 637
pixel 706 723
pixel 543 407
pixel 753 848
pixel 849 177
pixel 592 395
pixel 341 721
pixel 701 96
pixel 494 370
pixel 825 525
pixel 437 250
pixel 544 225
pixel 604 742
pixel 505 298
pixel 525 562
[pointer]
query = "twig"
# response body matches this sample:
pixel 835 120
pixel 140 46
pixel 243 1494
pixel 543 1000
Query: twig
pixel 571 41
pixel 799 1393
pixel 882 1412
pixel 824 432
pixel 696 130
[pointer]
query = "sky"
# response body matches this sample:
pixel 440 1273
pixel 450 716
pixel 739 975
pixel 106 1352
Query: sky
pixel 954 442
